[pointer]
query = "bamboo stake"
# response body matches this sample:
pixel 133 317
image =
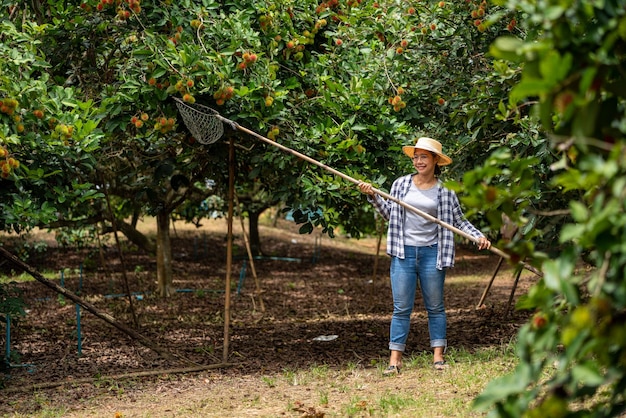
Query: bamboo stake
pixel 508 305
pixel 229 248
pixel 493 277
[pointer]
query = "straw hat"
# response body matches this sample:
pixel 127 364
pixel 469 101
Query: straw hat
pixel 428 144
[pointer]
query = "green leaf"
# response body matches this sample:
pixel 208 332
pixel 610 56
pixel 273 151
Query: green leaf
pixel 553 12
pixel 571 232
pixel 554 271
pixel 554 67
pixel 243 91
pixel 570 290
pixel 507 48
pixel 159 72
pixel 579 212
pixel 529 87
pixel 143 52
pixel 584 124
pixel 306 228
pixel 501 388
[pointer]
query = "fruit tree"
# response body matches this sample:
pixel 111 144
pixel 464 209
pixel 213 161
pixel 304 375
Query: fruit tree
pixel 573 351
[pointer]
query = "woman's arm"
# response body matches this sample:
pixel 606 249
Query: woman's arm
pixel 380 204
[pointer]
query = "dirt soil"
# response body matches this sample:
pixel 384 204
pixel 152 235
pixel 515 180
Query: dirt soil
pixel 312 286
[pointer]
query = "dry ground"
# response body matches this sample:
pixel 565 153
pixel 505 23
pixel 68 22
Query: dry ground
pixel 311 287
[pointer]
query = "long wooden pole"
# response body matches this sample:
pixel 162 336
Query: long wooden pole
pixel 229 248
pixel 423 214
pixel 114 377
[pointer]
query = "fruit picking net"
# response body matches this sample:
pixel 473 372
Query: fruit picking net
pixel 203 122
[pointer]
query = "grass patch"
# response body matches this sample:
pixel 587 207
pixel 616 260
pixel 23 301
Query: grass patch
pixel 422 391
pixel 47 408
pixel 392 403
pixel 350 391
pixel 419 391
pixel 25 277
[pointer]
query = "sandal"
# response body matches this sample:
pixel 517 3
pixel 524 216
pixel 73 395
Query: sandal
pixel 440 365
pixel 391 370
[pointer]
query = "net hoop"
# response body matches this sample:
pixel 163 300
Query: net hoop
pixel 202 121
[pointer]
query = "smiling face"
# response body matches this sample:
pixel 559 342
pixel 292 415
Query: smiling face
pixel 424 162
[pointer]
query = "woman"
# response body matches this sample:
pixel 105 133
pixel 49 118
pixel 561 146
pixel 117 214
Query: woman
pixel 420 249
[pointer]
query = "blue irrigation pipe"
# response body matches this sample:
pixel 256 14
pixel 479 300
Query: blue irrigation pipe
pixel 242 276
pixel 8 345
pixel 138 295
pixel 8 349
pixel 62 283
pixel 79 335
pixel 244 266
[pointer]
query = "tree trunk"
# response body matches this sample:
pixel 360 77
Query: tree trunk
pixel 253 226
pixel 164 255
pixel 135 236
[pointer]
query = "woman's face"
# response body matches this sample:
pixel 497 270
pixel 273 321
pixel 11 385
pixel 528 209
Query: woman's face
pixel 424 162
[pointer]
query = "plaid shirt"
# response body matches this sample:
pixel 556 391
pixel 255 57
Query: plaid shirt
pixel 448 211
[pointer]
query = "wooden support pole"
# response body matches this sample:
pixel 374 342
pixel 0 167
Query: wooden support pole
pixel 229 248
pixel 493 276
pixel 508 305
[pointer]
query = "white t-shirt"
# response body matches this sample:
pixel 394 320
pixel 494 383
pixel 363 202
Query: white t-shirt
pixel 419 231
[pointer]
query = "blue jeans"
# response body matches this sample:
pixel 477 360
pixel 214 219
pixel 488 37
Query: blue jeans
pixel 419 264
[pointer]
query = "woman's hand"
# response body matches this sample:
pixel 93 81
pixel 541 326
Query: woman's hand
pixel 483 243
pixel 366 188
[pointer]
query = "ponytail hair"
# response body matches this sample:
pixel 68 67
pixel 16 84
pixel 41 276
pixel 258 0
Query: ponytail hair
pixel 437 166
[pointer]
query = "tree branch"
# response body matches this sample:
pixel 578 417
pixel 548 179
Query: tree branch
pixel 558 212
